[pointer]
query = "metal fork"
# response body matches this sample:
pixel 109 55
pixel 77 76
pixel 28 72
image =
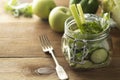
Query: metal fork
pixel 46 47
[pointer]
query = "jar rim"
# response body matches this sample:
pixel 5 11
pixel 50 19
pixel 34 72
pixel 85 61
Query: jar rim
pixel 70 21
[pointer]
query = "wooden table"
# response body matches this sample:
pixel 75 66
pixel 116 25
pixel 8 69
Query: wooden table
pixel 21 54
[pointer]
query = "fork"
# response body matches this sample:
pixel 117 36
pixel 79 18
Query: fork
pixel 47 47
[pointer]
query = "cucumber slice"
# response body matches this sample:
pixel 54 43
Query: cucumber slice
pixel 99 56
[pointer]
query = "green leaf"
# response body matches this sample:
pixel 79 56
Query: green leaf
pixel 15 8
pixel 105 21
pixel 92 28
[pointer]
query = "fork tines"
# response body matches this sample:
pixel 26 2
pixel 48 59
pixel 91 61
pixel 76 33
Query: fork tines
pixel 45 43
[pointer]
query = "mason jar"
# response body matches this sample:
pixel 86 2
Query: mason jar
pixel 86 51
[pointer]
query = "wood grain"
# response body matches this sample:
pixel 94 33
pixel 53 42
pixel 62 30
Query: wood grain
pixel 21 53
pixel 24 68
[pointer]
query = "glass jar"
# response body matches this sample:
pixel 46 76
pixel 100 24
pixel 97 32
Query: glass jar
pixel 86 51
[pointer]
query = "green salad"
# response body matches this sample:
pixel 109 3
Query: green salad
pixel 89 46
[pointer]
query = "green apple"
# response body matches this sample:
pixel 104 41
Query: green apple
pixel 42 8
pixel 57 18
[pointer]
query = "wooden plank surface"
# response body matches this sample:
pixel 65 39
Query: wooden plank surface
pixel 19 40
pixel 24 68
pixel 19 37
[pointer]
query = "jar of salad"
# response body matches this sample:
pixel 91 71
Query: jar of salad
pixel 90 49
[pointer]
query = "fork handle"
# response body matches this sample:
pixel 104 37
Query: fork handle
pixel 61 73
pixel 59 69
pixel 53 56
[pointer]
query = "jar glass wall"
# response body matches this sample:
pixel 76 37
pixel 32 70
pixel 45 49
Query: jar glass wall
pixel 86 51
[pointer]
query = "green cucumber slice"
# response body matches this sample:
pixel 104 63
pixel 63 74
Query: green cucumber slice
pixel 99 55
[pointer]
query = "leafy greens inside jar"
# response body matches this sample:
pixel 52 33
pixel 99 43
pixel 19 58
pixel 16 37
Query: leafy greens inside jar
pixel 86 42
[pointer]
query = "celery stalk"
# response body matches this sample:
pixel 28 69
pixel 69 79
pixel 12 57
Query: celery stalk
pixel 81 14
pixel 76 16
